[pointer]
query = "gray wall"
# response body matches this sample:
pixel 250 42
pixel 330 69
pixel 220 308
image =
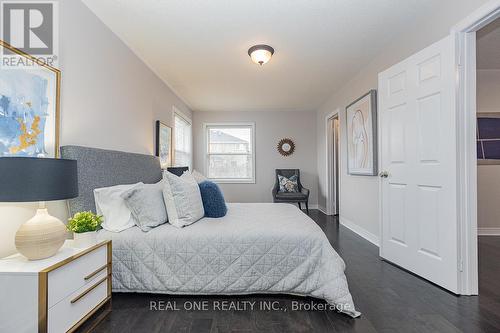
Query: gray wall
pixel 270 127
pixel 109 99
pixel 359 194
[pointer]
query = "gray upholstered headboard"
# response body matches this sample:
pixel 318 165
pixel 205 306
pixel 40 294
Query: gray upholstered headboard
pixel 101 168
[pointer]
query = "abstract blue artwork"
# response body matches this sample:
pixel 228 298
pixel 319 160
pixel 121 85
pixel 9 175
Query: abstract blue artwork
pixel 488 138
pixel 29 111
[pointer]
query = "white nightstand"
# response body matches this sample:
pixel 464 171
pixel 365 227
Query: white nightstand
pixel 56 294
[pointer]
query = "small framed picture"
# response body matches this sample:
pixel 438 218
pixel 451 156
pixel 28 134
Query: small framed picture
pixel 361 116
pixel 164 144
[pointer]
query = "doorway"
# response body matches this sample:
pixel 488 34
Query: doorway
pixel 333 163
pixel 488 128
pixel 438 81
pixel 466 35
pixel 488 156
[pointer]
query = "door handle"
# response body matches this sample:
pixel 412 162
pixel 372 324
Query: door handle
pixel 383 174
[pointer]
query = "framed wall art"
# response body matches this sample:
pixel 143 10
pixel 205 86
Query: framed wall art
pixel 361 117
pixel 286 147
pixel 164 144
pixel 29 107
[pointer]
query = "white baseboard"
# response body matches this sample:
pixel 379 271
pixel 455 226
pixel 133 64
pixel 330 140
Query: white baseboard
pixel 488 231
pixel 360 231
pixel 322 209
pixel 311 206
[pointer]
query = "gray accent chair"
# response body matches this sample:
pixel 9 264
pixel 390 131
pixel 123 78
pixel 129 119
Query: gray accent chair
pixel 300 197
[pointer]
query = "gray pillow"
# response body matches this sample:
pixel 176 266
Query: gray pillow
pixel 146 203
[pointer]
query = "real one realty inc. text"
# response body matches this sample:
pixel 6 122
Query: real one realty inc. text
pixel 228 305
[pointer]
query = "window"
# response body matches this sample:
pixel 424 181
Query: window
pixel 182 140
pixel 230 152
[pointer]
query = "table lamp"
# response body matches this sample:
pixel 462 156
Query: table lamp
pixel 29 179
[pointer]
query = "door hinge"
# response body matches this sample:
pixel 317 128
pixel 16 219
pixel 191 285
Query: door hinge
pixel 461 266
pixel 460 54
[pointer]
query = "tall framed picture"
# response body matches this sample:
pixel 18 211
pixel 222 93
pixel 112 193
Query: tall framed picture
pixel 361 116
pixel 29 107
pixel 164 144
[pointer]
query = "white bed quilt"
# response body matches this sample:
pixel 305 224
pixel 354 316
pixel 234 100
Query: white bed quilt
pixel 255 248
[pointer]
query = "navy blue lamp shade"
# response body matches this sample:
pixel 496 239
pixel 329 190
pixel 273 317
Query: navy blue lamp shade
pixel 27 179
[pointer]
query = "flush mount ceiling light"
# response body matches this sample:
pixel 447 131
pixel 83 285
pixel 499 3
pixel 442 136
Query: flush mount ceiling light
pixel 260 54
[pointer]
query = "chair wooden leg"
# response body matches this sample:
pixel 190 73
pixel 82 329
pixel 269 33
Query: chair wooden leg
pixel 307 207
pixel 300 207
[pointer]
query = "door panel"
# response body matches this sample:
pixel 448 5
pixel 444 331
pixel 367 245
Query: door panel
pixel 397 131
pixel 418 150
pixel 397 211
pixel 429 119
pixel 428 220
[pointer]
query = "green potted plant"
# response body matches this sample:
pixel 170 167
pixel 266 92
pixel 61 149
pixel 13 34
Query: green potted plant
pixel 84 226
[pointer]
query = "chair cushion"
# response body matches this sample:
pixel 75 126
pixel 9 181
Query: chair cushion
pixel 288 185
pixel 213 199
pixel 291 196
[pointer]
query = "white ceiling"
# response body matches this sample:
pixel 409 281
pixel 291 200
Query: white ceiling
pixel 199 48
pixel 488 46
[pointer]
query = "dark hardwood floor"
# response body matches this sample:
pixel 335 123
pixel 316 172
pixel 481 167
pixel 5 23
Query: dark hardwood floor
pixel 390 299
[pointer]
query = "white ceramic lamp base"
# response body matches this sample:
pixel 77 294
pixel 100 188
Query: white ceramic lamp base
pixel 41 236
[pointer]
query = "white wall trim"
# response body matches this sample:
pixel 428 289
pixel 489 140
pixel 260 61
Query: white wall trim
pixel 311 206
pixel 464 35
pixel 330 192
pixel 488 231
pixel 372 238
pixel 321 209
pixel 178 113
pixel 206 154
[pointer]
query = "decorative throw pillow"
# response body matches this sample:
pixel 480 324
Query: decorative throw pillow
pixel 109 203
pixel 146 204
pixel 182 199
pixel 288 184
pixel 213 199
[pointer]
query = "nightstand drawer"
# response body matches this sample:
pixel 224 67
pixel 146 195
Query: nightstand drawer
pixel 79 273
pixel 65 314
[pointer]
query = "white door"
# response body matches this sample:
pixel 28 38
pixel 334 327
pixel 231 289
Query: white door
pixel 418 163
pixel 333 154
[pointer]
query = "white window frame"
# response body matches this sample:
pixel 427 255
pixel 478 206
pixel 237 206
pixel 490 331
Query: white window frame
pixel 180 114
pixel 206 126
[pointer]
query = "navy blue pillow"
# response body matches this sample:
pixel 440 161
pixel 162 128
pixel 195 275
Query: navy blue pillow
pixel 213 199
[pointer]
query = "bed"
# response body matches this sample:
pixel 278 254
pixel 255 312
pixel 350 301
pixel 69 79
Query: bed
pixel 256 248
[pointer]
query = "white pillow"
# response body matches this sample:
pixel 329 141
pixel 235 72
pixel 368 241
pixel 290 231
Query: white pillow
pixel 198 177
pixel 182 199
pixel 109 203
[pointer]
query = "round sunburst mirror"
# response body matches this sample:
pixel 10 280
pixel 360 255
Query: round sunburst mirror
pixel 286 147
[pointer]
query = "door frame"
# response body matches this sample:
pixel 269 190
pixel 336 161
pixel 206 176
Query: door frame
pixel 331 193
pixel 464 38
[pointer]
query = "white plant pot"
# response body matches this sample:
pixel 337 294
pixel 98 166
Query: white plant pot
pixel 85 239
